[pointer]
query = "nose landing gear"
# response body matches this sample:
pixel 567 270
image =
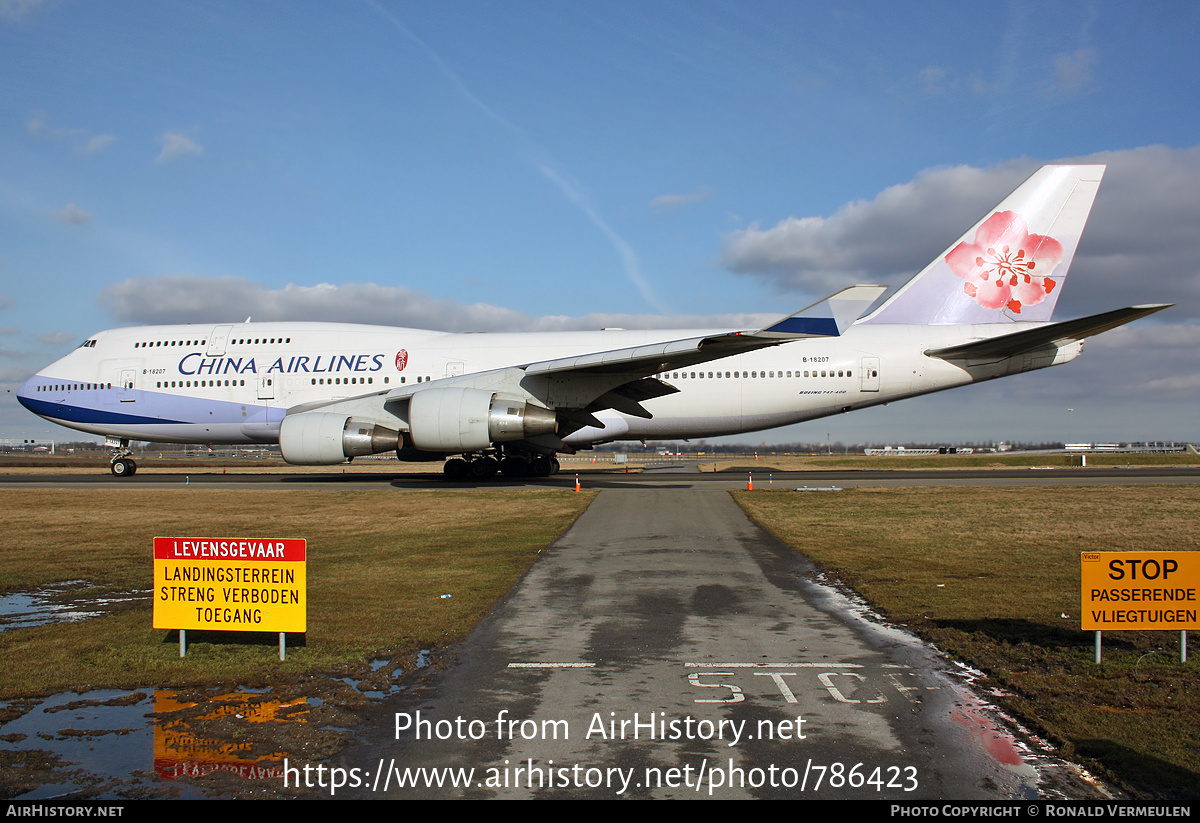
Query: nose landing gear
pixel 121 465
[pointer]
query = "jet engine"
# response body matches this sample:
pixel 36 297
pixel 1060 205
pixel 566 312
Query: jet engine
pixel 322 438
pixel 455 420
pixel 448 421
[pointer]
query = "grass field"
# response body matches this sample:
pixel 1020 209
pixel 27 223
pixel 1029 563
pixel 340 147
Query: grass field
pixel 822 462
pixel 378 564
pixel 991 576
pixel 987 574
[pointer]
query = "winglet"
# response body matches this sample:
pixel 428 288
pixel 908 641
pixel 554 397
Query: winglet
pixel 827 318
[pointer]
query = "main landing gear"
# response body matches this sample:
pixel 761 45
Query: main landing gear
pixel 121 465
pixel 509 463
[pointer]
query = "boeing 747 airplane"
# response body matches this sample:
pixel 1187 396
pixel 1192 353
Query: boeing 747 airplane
pixel 329 392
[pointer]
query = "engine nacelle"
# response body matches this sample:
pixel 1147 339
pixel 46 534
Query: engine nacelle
pixel 323 439
pixel 455 420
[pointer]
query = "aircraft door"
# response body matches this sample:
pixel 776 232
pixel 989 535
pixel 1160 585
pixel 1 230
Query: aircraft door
pixel 125 389
pixel 266 388
pixel 870 374
pixel 217 341
pixel 454 369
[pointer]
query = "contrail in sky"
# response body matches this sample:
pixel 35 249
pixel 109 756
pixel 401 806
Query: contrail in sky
pixel 545 165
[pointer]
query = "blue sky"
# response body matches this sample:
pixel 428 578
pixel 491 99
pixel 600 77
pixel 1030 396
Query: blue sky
pixel 530 165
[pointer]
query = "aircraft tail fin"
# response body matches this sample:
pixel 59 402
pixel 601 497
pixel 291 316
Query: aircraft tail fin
pixel 1011 265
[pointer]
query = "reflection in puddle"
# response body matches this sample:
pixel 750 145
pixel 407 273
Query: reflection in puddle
pixel 106 741
pixel 180 750
pixel 110 743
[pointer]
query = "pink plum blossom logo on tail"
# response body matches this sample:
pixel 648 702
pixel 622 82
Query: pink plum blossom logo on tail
pixel 1006 266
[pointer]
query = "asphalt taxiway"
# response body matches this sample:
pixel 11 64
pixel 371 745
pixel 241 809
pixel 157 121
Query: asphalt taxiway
pixel 667 647
pixel 678 475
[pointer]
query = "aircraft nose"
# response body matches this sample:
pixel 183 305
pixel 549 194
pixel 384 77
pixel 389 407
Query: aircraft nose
pixel 25 393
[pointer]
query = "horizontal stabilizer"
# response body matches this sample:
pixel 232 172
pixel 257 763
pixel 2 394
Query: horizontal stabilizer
pixel 1069 331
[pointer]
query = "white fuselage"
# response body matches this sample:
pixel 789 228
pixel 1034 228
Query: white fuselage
pixel 235 383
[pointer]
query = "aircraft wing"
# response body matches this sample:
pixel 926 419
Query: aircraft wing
pixel 1069 331
pixel 620 379
pixel 825 318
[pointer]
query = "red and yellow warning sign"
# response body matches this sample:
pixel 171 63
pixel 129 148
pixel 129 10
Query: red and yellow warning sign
pixel 230 584
pixel 1140 590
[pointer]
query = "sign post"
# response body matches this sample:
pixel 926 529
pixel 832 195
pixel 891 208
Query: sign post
pixel 1140 591
pixel 230 584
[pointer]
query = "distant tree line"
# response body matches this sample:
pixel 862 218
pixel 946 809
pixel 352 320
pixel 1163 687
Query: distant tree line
pixel 837 447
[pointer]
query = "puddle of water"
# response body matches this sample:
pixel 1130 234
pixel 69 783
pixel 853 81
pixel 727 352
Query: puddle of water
pixel 180 752
pixel 130 744
pixel 1029 759
pixel 67 602
pixel 121 741
pixel 82 729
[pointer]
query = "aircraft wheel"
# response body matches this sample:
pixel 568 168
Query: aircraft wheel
pixel 554 466
pixel 455 469
pixel 483 468
pixel 513 467
pixel 540 466
pixel 123 467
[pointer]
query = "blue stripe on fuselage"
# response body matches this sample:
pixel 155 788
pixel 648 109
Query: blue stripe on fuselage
pixel 72 413
pixel 102 407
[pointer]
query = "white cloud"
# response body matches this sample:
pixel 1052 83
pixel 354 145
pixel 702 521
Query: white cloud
pixel 195 299
pixel 37 125
pixel 883 240
pixel 56 338
pixel 71 213
pixel 1073 72
pixel 14 376
pixel 670 202
pixel 932 80
pixel 16 10
pixel 1154 361
pixel 97 143
pixel 84 141
pixel 1140 244
pixel 176 144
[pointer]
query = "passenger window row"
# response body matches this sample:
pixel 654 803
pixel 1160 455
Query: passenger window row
pixel 241 341
pixel 158 343
pixel 756 374
pixel 199 384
